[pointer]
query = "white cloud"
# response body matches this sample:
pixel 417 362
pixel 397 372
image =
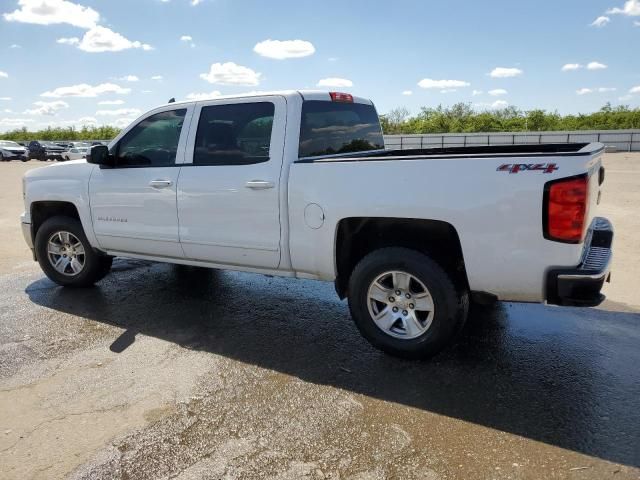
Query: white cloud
pixel 230 73
pixel 624 98
pixel 332 59
pixel 68 40
pixel 15 45
pixel 407 92
pixel 85 90
pixel 3 74
pixel 606 89
pixel 504 72
pixel 449 90
pixel 79 123
pixel 119 112
pixel 442 84
pixel 203 96
pixel 596 66
pixel 7 110
pixel 335 82
pixel 5 99
pixel 631 8
pixel 635 89
pixel 49 12
pixel 195 2
pixel 47 108
pixel 584 91
pixel 103 39
pixel 122 122
pixel 567 67
pixel 282 49
pixel 600 22
pixel 146 91
pixel 111 102
pixel 497 92
pixel 187 39
pixel 129 78
pixel 499 104
pixel 476 92
pixel 495 105
pixel 15 122
pixel 157 77
pixel 636 24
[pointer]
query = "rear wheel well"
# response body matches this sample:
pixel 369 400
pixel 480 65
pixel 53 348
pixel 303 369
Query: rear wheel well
pixel 41 211
pixel 358 236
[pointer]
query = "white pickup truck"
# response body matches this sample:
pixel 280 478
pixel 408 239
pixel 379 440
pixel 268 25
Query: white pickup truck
pixel 299 184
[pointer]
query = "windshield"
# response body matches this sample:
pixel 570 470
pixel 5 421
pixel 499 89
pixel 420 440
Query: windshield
pixel 332 127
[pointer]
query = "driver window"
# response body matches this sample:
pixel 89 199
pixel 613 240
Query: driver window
pixel 153 142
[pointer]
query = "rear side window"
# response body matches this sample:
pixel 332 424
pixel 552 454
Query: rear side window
pixel 234 134
pixel 333 127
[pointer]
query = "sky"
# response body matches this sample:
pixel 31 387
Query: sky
pixel 96 62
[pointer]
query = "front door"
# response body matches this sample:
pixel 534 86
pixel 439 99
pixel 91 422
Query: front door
pixel 229 190
pixel 133 204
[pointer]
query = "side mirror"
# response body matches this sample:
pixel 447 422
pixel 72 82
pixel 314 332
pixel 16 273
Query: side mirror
pixel 99 155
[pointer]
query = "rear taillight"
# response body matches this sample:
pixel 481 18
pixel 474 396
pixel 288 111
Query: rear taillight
pixel 341 97
pixel 565 209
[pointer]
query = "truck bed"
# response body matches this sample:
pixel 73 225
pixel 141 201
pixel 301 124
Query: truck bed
pixel 491 195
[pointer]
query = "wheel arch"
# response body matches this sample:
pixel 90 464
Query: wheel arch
pixel 41 210
pixel 357 236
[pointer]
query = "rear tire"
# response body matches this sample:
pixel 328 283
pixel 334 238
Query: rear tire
pixel 418 322
pixel 66 256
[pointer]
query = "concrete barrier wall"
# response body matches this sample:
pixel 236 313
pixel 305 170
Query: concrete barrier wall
pixel 615 140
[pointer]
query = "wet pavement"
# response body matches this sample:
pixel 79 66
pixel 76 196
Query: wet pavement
pixel 268 377
pixel 173 372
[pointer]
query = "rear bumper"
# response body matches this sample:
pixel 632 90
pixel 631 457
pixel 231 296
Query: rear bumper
pixel 580 286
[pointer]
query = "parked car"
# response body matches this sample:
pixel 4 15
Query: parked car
pixel 299 184
pixel 12 151
pixel 43 151
pixel 75 153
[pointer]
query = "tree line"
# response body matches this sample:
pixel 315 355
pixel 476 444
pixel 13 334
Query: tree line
pixel 463 118
pixel 58 133
pixel 458 118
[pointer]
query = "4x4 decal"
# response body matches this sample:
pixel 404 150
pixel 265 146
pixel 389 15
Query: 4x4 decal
pixel 525 167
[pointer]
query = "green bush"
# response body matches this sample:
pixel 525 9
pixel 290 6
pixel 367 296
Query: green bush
pixel 463 118
pixel 70 133
pixel 459 118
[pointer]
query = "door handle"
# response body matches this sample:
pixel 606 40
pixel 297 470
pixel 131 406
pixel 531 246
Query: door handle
pixel 160 183
pixel 259 184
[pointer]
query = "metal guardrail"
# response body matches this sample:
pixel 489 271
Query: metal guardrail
pixel 615 140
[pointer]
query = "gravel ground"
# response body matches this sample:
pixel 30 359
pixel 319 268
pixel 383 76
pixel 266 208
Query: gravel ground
pixel 176 372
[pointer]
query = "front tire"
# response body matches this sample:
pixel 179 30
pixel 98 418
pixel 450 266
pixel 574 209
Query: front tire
pixel 65 255
pixel 404 303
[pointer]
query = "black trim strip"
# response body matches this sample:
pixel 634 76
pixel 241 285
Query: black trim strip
pixel 497 151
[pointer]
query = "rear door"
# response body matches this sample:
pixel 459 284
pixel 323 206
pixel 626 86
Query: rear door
pixel 133 205
pixel 228 192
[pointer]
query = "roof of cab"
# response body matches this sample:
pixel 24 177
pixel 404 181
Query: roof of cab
pixel 305 94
